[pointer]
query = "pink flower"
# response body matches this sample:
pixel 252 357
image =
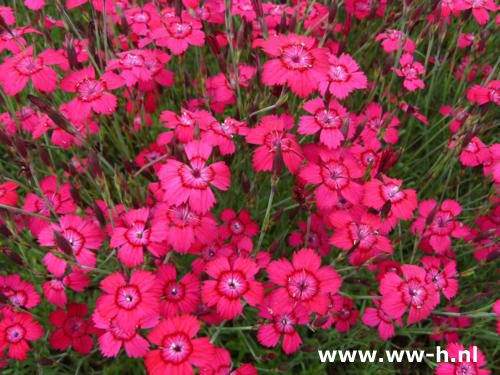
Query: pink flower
pixel 80 234
pixel 178 350
pixel 177 35
pixel 16 71
pixel 221 365
pixel 334 173
pixel 360 234
pixel 12 40
pixel 482 95
pixel 73 329
pixel 271 135
pixel 437 224
pixel 19 293
pixel 183 125
pixel 341 312
pixel 131 303
pixel 178 297
pixel 343 77
pixel 392 40
pixel 237 226
pixel 411 291
pixel 132 236
pixel 141 19
pixel 232 281
pixel 181 227
pixel 191 183
pixel 283 320
pixel 15 330
pixel 303 281
pixel 55 288
pixel 442 279
pixel 465 40
pixel 222 133
pixel 376 317
pixel 114 337
pixel 410 70
pixel 92 92
pixel 379 124
pixel 480 9
pixel 328 122
pixel 219 93
pixel 363 8
pixel 458 365
pixel 295 62
pixel 402 202
pixel 318 238
pixel 446 326
pixel 473 154
pixel 8 194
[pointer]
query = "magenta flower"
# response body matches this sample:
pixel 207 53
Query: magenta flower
pixel 72 329
pixel 442 279
pixel 178 35
pixel 271 137
pixel 295 62
pixel 379 124
pixel 92 92
pixel 178 297
pixel 341 312
pixel 334 173
pixel 343 77
pixel 8 194
pixel 456 363
pixel 410 70
pixel 19 293
pixel 283 320
pixel 328 122
pixel 191 183
pixel 16 71
pixel 178 351
pixel 376 317
pixel 392 40
pixel 16 329
pixel 231 282
pixel 222 134
pixel 131 303
pixel 480 9
pixel 412 291
pixel 303 281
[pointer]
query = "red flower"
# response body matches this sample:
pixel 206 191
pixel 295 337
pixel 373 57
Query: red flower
pixel 377 317
pixel 15 330
pixel 296 62
pixel 232 281
pixel 92 92
pixel 181 227
pixel 55 289
pixel 334 172
pixel 177 35
pixel 303 281
pixel 20 293
pixel 237 226
pixel 379 124
pixel 411 291
pixel 446 326
pixel 16 71
pixel 81 234
pixel 456 362
pixel 341 312
pixel 73 329
pixel 222 134
pixel 410 70
pixel 191 183
pixel 328 122
pixel 131 303
pixel 318 238
pixel 437 224
pixel 343 77
pixel 270 134
pixel 377 193
pixel 178 297
pixel 115 336
pixel 392 40
pixel 283 320
pixel 480 9
pixel 178 349
pixel 8 194
pixel 131 236
pixel 183 125
pixel 442 279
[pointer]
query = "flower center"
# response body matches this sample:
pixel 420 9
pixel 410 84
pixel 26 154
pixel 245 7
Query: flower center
pixel 174 291
pixel 297 57
pixel 15 333
pixel 179 30
pixel 75 239
pixel 236 227
pixel 90 89
pixel 128 297
pixel 338 73
pixel 232 284
pixel 176 348
pixel 414 293
pixel 141 17
pixel 302 285
pixel 28 65
pixel 328 119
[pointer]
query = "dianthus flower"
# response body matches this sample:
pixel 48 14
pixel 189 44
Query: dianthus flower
pixel 16 329
pixel 191 183
pixel 20 293
pixel 178 350
pixel 480 9
pixel 376 317
pixel 410 70
pixel 379 124
pixel 343 77
pixel 131 303
pixel 392 40
pixel 462 363
pixel 8 194
pixel 178 35
pixel 295 62
pixel 303 281
pixel 72 329
pixel 412 290
pixel 231 282
pixel 442 279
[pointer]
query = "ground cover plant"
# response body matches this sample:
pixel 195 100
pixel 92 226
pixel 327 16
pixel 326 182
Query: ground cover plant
pixel 229 186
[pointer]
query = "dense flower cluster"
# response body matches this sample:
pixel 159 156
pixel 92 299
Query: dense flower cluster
pixel 142 145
